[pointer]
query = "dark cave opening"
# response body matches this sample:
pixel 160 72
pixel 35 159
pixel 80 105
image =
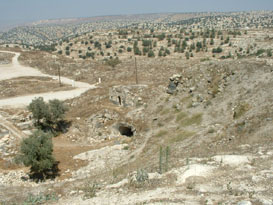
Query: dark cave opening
pixel 126 130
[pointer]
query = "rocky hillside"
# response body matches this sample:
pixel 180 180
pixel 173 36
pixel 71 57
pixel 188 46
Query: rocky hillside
pixel 214 119
pixel 203 135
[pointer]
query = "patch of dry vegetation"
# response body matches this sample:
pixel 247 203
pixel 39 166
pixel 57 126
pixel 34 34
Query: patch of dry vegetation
pixel 30 85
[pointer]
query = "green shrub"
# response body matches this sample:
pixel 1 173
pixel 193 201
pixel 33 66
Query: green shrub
pixel 40 199
pixel 151 54
pixel 90 189
pixel 113 62
pixel 142 175
pixel 217 50
pixel 260 52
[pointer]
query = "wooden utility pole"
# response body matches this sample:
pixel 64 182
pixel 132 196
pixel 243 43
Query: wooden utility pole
pixel 136 71
pixel 59 72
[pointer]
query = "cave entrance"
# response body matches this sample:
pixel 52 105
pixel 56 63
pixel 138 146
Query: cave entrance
pixel 126 130
pixel 119 100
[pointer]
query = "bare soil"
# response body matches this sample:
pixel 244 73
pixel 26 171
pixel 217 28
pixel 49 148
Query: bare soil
pixel 30 85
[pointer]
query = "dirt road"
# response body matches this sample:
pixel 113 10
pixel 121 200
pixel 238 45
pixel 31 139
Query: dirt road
pixel 16 70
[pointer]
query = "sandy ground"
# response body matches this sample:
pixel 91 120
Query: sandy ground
pixel 16 70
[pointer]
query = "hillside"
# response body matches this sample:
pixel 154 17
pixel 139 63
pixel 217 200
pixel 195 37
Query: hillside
pixel 192 125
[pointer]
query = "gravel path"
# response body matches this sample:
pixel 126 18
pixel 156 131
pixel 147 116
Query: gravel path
pixel 16 70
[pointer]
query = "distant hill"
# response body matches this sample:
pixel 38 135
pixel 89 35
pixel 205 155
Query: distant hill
pixel 48 32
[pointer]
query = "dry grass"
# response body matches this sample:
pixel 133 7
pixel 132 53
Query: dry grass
pixel 6 57
pixel 165 111
pixel 180 116
pixel 30 85
pixel 240 110
pixel 161 133
pixel 182 135
pixel 195 119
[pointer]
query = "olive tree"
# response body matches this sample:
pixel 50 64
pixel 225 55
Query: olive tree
pixel 47 116
pixel 36 153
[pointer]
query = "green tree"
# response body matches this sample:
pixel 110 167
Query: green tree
pixel 57 111
pixel 47 116
pixel 137 51
pixel 151 54
pixel 217 50
pixel 39 109
pixel 160 53
pixel 211 41
pixel 36 152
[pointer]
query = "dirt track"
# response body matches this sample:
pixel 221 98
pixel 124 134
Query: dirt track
pixel 16 70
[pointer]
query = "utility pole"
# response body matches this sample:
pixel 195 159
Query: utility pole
pixel 136 71
pixel 59 70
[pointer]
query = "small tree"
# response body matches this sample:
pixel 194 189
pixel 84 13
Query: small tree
pixel 151 54
pixel 36 152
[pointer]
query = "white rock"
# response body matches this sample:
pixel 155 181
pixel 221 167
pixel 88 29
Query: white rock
pixel 244 203
pixel 119 184
pixel 192 170
pixel 232 160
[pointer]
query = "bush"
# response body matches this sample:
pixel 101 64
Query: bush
pixel 36 152
pixel 147 43
pixel 161 36
pixel 40 198
pixel 137 51
pixel 90 189
pixel 141 175
pixel 260 52
pixel 113 62
pixel 217 50
pixel 129 49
